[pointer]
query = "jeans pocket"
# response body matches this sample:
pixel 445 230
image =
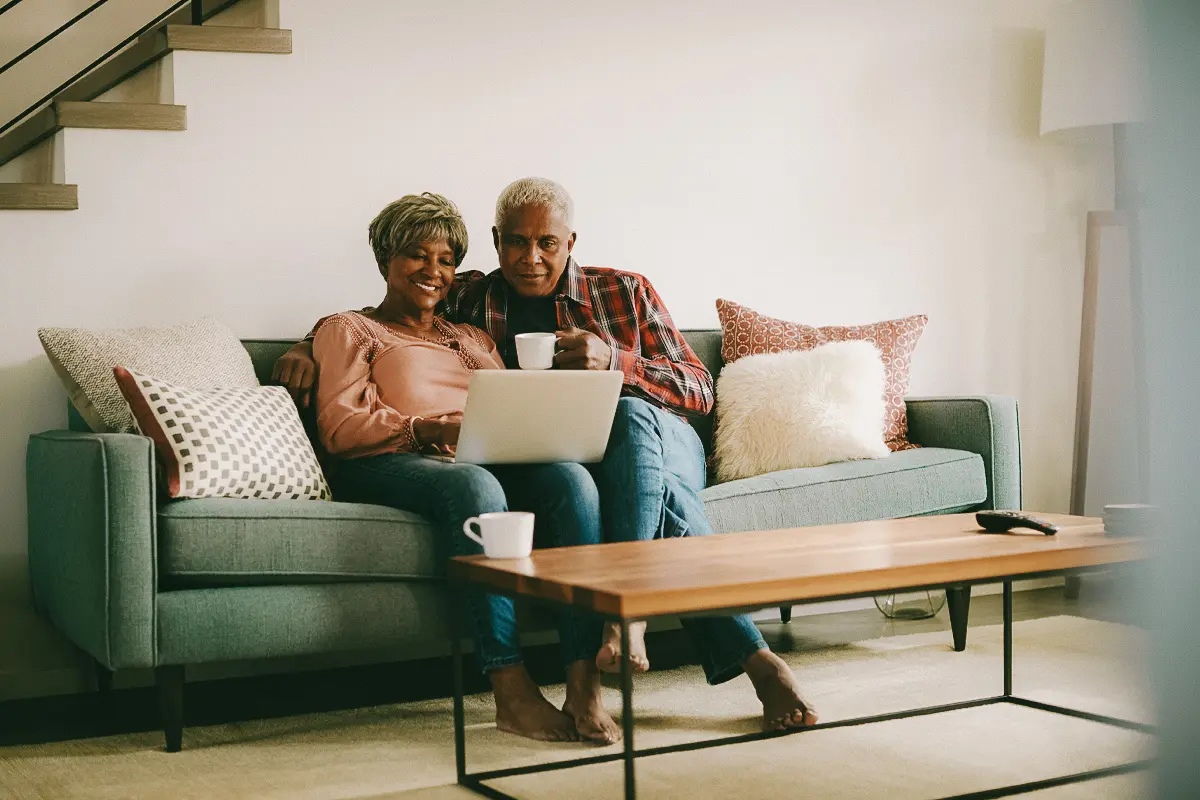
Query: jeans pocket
pixel 673 525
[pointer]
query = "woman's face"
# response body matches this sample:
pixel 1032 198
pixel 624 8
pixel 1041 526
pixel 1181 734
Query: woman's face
pixel 421 275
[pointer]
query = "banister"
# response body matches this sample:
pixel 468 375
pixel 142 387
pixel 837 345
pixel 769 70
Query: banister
pixel 197 16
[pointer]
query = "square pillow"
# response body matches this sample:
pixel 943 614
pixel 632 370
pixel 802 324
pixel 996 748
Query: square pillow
pixel 745 332
pixel 241 442
pixel 204 353
pixel 799 409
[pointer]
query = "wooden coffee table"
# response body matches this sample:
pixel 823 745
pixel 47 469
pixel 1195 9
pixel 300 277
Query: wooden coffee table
pixel 739 572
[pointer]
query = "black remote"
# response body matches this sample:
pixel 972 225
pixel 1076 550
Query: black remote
pixel 1005 521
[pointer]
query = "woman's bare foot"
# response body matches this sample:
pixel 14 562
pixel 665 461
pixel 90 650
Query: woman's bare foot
pixel 586 707
pixel 609 657
pixel 521 708
pixel 776 687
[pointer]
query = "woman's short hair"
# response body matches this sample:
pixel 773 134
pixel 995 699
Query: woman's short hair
pixel 535 192
pixel 416 218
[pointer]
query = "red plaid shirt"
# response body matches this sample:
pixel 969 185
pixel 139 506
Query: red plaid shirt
pixel 621 308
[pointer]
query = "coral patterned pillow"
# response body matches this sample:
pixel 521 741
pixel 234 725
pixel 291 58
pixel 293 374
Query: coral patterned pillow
pixel 745 332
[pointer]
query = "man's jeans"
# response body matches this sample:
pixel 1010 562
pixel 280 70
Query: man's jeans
pixel 563 496
pixel 648 482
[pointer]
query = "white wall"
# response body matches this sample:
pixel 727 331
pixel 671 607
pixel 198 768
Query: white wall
pixel 823 161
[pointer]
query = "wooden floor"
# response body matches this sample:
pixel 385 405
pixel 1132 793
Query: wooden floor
pixel 1105 596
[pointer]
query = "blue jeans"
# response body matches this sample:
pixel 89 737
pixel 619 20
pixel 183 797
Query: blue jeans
pixel 649 483
pixel 562 496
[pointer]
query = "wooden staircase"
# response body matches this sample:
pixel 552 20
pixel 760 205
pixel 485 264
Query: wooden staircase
pixel 77 106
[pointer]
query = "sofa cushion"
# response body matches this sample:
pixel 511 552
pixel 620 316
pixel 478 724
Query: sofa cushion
pixel 228 542
pixel 929 480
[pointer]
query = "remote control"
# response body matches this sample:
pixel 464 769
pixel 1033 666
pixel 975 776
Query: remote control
pixel 1005 521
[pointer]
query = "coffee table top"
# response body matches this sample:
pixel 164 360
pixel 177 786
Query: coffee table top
pixel 766 568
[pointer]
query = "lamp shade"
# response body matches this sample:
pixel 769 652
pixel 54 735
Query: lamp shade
pixel 1092 72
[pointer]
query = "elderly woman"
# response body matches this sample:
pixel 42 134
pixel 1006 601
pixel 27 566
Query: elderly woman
pixel 392 386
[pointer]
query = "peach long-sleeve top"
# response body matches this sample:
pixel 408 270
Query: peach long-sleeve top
pixel 373 380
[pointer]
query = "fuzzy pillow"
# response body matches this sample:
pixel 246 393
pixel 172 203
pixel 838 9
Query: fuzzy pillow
pixel 800 409
pixel 745 332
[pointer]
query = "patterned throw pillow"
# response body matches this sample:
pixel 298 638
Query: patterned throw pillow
pixel 745 332
pixel 203 353
pixel 240 442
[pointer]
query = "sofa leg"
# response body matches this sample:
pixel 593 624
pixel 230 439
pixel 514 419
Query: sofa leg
pixel 1073 584
pixel 104 677
pixel 958 599
pixel 170 704
pixel 785 614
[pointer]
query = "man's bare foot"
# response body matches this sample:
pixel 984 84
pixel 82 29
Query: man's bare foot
pixel 521 708
pixel 776 687
pixel 609 657
pixel 585 706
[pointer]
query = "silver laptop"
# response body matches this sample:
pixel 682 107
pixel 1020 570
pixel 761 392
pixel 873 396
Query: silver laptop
pixel 538 416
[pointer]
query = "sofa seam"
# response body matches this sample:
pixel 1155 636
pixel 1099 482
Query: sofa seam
pixel 840 480
pixel 333 519
pixel 293 573
pixel 108 537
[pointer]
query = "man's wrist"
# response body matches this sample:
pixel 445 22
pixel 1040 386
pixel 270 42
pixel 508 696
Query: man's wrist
pixel 625 361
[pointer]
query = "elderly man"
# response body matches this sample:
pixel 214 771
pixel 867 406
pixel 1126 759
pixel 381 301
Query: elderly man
pixel 654 466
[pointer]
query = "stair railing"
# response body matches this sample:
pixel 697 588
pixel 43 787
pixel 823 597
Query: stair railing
pixel 198 16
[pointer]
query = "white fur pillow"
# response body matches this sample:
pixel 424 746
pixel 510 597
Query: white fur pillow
pixel 800 409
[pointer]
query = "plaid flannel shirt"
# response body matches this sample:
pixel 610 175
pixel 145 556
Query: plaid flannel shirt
pixel 621 308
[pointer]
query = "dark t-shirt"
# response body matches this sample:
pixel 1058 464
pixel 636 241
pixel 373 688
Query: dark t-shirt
pixel 526 315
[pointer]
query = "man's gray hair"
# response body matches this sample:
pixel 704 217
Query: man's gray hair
pixel 535 192
pixel 413 219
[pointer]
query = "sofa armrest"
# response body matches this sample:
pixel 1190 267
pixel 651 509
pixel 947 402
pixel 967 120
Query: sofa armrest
pixel 92 543
pixel 987 425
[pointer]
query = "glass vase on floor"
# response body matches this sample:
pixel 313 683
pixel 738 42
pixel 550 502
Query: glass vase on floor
pixel 911 605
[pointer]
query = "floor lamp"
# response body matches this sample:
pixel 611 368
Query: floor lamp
pixel 1091 79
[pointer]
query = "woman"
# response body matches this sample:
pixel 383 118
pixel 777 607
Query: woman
pixel 393 383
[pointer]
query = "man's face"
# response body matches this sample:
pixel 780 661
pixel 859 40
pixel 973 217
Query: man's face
pixel 533 249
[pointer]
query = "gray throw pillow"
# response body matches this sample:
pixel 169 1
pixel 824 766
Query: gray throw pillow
pixel 204 354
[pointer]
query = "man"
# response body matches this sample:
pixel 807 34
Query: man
pixel 654 466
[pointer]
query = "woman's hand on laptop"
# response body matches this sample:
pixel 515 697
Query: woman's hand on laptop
pixel 580 349
pixel 438 435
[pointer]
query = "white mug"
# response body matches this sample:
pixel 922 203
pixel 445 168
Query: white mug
pixel 535 350
pixel 503 534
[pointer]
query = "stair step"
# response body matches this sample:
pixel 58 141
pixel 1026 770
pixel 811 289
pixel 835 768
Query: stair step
pixel 125 116
pixel 39 196
pixel 217 38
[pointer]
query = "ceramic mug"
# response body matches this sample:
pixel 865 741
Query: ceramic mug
pixel 535 350
pixel 503 534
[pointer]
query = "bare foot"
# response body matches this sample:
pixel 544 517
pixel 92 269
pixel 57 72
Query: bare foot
pixel 776 687
pixel 609 657
pixel 586 707
pixel 521 708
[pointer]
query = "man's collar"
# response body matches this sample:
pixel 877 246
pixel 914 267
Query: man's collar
pixel 574 285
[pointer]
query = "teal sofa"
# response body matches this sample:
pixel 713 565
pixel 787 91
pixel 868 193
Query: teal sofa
pixel 139 582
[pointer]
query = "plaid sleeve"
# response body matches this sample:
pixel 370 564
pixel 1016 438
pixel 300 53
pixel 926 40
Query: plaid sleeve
pixel 464 294
pixel 667 371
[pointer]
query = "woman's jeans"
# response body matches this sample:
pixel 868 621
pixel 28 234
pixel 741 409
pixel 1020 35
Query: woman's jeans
pixel 562 496
pixel 649 483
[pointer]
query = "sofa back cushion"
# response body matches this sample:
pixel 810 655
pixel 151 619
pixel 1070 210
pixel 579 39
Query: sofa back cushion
pixel 706 343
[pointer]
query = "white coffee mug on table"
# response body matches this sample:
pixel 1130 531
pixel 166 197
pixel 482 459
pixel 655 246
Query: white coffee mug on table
pixel 503 534
pixel 535 350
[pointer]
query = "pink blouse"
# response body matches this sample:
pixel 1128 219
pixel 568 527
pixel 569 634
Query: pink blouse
pixel 372 380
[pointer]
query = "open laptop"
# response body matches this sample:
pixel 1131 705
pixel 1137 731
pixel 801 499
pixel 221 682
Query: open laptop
pixel 538 416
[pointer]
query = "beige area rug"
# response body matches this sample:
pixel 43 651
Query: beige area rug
pixel 406 751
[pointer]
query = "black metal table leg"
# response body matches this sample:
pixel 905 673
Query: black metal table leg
pixel 1008 636
pixel 460 734
pixel 627 711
